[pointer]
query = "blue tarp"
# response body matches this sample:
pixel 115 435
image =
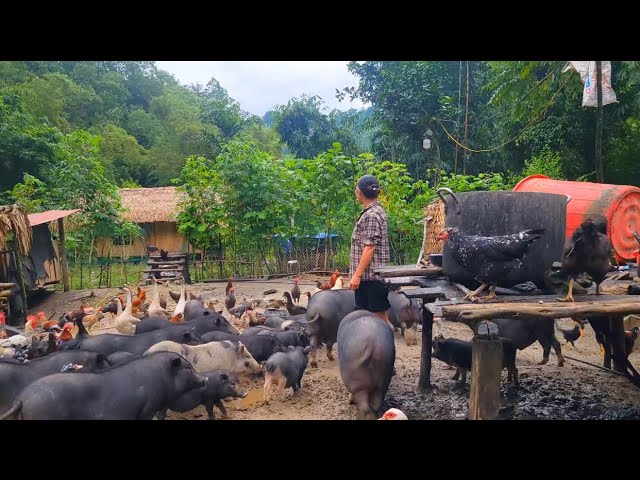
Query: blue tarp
pixel 319 236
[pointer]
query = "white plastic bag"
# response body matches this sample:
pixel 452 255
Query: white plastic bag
pixel 587 71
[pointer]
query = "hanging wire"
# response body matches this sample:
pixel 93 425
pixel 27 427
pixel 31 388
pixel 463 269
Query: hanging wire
pixel 484 150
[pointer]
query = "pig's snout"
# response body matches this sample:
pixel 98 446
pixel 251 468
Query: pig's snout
pixel 241 394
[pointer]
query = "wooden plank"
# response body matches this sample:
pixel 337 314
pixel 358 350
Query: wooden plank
pixel 169 262
pixel 63 255
pixel 435 308
pixel 160 270
pixel 7 285
pixel 401 281
pixel 486 369
pixel 467 312
pixel 427 294
pixel 406 270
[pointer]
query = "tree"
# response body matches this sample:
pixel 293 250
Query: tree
pixel 303 126
pixel 25 144
pixel 201 216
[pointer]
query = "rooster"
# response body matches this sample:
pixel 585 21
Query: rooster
pixel 229 285
pixel 489 259
pixel 164 255
pixel 295 291
pixel 230 300
pixel 587 251
pixel 332 281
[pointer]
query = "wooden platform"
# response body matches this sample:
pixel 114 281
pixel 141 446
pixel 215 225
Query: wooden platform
pixel 406 271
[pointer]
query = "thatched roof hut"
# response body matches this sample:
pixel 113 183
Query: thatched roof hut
pixel 155 210
pixel 150 205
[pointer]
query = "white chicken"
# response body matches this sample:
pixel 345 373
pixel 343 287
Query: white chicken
pixel 393 414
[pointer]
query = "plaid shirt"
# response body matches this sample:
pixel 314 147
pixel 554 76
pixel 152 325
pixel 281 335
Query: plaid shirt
pixel 370 229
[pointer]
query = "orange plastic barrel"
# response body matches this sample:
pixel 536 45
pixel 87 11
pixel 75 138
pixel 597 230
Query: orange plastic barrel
pixel 620 204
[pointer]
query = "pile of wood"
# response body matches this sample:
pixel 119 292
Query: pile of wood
pixel 6 290
pixel 433 223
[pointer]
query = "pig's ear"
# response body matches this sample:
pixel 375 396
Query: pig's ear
pixel 224 377
pixel 219 312
pixel 306 350
pixel 242 349
pixel 187 336
pixel 206 313
pixel 176 362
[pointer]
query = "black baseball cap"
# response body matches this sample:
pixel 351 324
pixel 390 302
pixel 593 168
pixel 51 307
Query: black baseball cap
pixel 369 186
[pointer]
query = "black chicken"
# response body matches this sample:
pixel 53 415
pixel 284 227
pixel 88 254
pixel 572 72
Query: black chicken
pixel 630 337
pixel 489 259
pixel 572 334
pixel 587 251
pixel 164 255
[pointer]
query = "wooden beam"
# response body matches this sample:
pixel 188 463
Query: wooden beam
pixel 406 271
pixel 7 285
pixel 63 255
pixel 23 291
pixel 168 262
pixel 468 312
pixel 426 294
pixel 486 370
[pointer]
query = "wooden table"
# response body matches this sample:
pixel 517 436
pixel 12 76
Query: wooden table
pixel 442 300
pixel 410 275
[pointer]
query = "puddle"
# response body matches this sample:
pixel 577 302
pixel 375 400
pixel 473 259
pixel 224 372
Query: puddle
pixel 253 397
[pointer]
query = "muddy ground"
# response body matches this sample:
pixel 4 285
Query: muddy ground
pixel 575 391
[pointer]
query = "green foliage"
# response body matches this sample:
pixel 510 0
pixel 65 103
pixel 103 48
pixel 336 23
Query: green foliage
pixel 202 213
pixel 546 163
pixel 31 194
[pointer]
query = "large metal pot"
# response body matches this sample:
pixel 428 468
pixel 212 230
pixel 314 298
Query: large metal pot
pixel 503 213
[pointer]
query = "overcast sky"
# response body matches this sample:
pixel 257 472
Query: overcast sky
pixel 260 86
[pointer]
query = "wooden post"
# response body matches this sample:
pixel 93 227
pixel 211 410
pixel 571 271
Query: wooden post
pixel 599 125
pixel 425 355
pixel 23 291
pixel 63 254
pixel 486 369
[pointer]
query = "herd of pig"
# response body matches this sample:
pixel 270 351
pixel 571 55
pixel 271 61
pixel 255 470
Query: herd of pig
pixel 179 366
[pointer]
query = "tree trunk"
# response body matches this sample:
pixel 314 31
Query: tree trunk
pixel 63 255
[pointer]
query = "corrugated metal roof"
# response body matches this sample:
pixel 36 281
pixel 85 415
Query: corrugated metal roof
pixel 49 216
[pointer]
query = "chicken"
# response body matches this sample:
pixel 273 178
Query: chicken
pixel 140 298
pixel 90 320
pixel 587 251
pixel 630 337
pixel 338 285
pixel 66 334
pixel 150 249
pixel 489 259
pixel 164 255
pixel 393 414
pixel 291 308
pixel 31 325
pixel 229 285
pixel 230 300
pixel 239 310
pixel 331 283
pixel 125 323
pixel 177 318
pixel 295 291
pixel 572 334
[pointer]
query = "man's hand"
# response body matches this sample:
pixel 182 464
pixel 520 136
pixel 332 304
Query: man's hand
pixel 354 283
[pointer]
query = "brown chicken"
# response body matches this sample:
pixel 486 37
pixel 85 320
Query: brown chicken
pixel 229 285
pixel 179 318
pixel 332 281
pixel 230 300
pixel 587 251
pixel 295 291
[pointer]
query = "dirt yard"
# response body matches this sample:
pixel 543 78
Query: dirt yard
pixel 575 391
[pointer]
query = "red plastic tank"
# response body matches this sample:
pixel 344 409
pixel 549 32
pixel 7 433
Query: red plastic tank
pixel 620 204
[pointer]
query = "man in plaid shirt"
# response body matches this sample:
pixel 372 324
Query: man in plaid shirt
pixel 369 248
